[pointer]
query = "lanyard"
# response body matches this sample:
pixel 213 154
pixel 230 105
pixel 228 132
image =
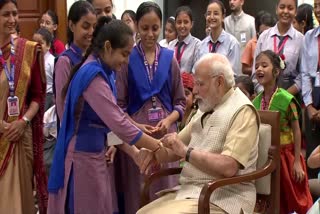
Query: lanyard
pixel 181 52
pixel 276 49
pixel 9 72
pixel 211 46
pixel 151 69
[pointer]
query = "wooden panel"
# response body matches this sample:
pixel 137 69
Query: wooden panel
pixel 29 15
pixel 60 7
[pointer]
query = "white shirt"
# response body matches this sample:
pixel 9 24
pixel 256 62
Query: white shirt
pixel 49 66
pixel 164 43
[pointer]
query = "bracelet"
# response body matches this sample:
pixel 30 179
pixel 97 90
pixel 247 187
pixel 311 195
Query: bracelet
pixel 188 154
pixel 160 145
pixel 25 119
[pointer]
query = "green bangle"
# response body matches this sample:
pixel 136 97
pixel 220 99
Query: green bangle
pixel 188 154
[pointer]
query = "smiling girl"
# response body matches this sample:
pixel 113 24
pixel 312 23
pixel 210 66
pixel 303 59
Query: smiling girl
pixel 22 94
pixel 50 21
pixel 219 41
pixel 150 90
pixel 294 187
pixel 170 32
pixel 186 45
pixel 81 22
pixel 285 41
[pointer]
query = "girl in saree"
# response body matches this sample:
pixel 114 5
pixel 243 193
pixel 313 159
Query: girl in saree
pixel 22 95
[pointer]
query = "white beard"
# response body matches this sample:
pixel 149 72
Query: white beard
pixel 204 105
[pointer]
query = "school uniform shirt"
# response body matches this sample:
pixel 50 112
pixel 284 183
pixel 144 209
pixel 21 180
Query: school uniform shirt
pixel 242 27
pixel 188 52
pixel 49 66
pixel 309 63
pixel 227 45
pixel 164 43
pixel 269 40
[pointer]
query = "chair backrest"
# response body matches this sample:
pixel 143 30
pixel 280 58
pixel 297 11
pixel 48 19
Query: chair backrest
pixel 263 185
pixel 268 187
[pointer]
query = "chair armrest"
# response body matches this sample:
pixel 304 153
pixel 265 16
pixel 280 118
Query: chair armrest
pixel 145 193
pixel 269 167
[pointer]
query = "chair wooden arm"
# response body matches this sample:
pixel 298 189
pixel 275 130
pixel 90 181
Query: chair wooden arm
pixel 269 167
pixel 145 193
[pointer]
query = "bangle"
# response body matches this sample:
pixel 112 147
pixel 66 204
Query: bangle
pixel 188 154
pixel 160 145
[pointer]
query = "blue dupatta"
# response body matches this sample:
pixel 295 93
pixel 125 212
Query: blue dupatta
pixel 78 85
pixel 140 89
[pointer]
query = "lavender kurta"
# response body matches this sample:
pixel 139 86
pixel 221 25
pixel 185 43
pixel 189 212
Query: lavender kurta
pixel 130 188
pixel 62 71
pixel 91 192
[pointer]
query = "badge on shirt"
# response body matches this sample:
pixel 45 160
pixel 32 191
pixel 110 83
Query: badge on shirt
pixel 317 80
pixel 13 106
pixel 243 38
pixel 155 114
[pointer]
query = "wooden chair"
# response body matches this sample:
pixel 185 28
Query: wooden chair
pixel 267 175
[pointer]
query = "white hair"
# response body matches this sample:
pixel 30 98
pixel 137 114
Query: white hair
pixel 218 64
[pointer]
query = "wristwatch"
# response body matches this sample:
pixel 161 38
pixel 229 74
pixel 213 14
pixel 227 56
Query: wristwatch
pixel 25 119
pixel 188 154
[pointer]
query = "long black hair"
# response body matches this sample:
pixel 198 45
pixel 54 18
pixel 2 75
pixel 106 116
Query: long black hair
pixel 78 10
pixel 304 13
pixel 107 29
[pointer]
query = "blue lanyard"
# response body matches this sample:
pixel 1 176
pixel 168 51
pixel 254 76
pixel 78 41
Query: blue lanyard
pixel 151 69
pixel 9 73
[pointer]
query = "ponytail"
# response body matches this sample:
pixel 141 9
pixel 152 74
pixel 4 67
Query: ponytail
pixel 92 48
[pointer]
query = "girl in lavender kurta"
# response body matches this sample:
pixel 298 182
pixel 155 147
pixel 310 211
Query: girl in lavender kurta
pixel 80 13
pixel 78 176
pixel 150 90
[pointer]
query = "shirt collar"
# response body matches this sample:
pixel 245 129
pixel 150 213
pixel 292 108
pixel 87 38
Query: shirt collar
pixel 317 32
pixel 186 40
pixel 275 31
pixel 237 17
pixel 220 38
pixel 225 97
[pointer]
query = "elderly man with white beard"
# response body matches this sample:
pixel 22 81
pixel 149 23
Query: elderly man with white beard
pixel 220 141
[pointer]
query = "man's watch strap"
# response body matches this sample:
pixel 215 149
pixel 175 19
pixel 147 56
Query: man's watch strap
pixel 188 154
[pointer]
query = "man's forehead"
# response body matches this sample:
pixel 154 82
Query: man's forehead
pixel 202 71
